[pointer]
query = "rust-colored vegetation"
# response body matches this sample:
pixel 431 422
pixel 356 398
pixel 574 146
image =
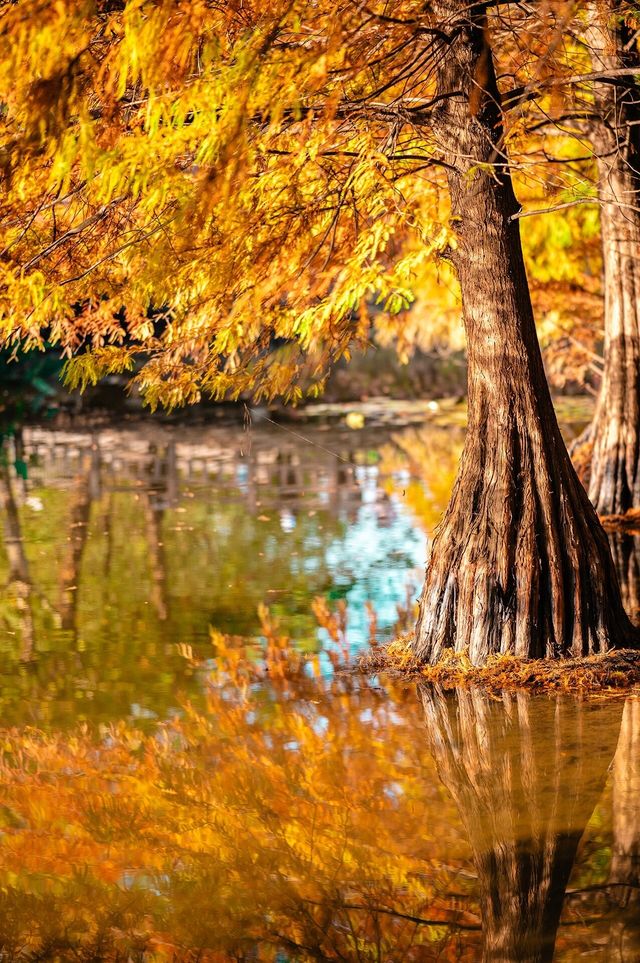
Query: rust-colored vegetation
pixel 619 670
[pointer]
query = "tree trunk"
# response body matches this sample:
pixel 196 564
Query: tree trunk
pixel 519 563
pixel 614 434
pixel 525 773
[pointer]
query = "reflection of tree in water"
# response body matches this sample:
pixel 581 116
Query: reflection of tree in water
pixel 526 773
pixel 85 490
pixel 623 891
pixel 625 549
pixel 18 589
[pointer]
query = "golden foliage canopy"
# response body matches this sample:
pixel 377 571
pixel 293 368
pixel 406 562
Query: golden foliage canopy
pixel 190 183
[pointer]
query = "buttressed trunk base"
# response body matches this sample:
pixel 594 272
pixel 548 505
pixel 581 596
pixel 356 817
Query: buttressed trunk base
pixel 519 564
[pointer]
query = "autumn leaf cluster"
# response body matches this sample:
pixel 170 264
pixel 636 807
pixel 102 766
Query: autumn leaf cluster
pixel 196 181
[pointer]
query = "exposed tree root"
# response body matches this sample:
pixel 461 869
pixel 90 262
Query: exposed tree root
pixel 617 670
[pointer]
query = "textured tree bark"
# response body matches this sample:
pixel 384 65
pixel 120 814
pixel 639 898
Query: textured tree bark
pixel 614 435
pixel 525 773
pixel 519 564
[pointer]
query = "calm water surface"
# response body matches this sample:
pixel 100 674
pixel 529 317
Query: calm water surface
pixel 188 774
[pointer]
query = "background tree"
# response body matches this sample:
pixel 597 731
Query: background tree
pixel 586 142
pixel 614 434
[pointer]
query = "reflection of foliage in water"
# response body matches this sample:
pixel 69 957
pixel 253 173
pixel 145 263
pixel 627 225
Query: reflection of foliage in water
pixel 429 457
pixel 295 815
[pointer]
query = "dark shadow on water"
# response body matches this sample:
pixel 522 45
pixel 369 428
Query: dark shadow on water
pixel 526 773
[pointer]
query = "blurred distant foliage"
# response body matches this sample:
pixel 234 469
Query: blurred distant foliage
pixel 190 185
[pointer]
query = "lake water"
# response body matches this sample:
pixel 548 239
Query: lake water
pixel 187 771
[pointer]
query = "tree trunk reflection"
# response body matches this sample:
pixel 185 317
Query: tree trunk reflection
pixel 624 874
pixel 526 773
pixel 625 549
pixel 19 581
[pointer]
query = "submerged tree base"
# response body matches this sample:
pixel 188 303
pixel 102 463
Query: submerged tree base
pixel 612 671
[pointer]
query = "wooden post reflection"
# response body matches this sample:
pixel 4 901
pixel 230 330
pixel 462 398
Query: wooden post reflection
pixel 154 522
pixel 85 485
pixel 19 580
pixel 526 773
